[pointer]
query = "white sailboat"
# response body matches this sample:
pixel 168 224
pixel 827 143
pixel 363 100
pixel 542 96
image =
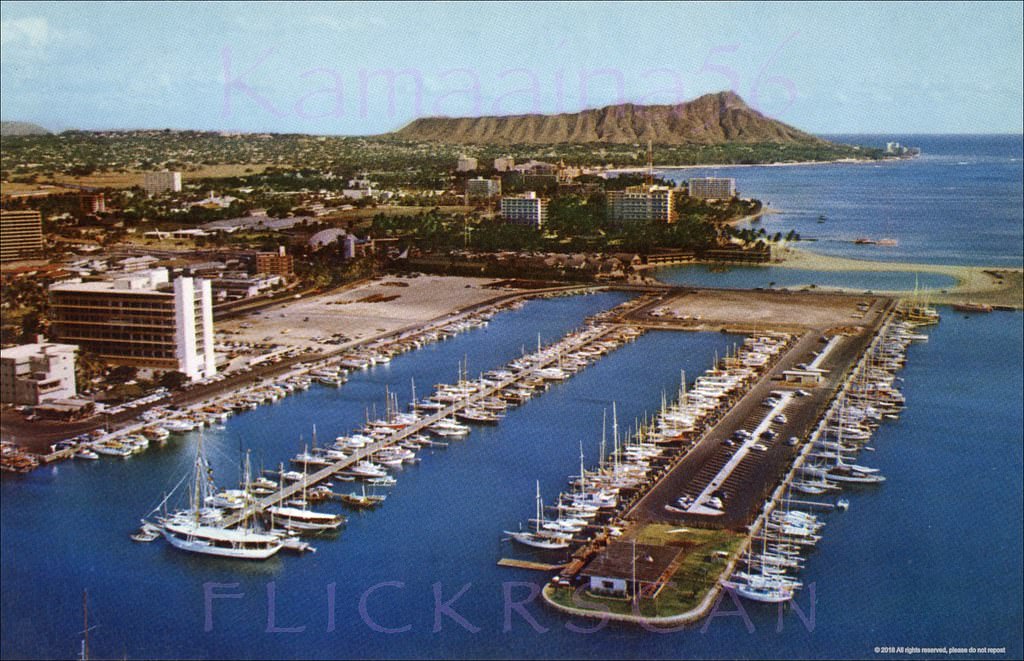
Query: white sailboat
pixel 188 530
pixel 539 537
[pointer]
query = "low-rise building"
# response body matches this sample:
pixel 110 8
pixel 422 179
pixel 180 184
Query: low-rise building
pixel 713 188
pixel 624 569
pixel 38 372
pixel 641 203
pixel 276 263
pixel 465 164
pixel 525 209
pixel 236 287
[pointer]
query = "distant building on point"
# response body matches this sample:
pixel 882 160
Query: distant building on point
pixel 713 188
pixel 466 164
pixel 641 203
pixel 525 209
pixel 34 373
pixel 155 183
pixel 21 235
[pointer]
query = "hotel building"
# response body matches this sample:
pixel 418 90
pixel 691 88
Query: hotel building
pixel 483 188
pixel 525 209
pixel 504 163
pixel 140 319
pixel 641 203
pixel 21 235
pixel 713 188
pixel 155 183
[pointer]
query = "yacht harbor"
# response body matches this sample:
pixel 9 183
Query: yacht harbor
pixel 258 520
pixel 763 471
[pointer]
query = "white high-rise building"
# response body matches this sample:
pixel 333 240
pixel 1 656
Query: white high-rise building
pixel 713 188
pixel 155 183
pixel 140 320
pixel 525 209
pixel 641 203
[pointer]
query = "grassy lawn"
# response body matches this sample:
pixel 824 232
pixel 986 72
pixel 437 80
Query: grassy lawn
pixel 696 574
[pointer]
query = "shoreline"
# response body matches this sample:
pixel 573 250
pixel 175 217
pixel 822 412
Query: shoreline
pixel 994 285
pixel 774 164
pixel 973 283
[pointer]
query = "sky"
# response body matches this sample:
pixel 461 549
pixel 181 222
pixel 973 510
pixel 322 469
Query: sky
pixel 357 69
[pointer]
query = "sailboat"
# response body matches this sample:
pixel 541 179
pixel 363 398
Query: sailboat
pixel 363 500
pixel 302 519
pixel 541 538
pixel 189 530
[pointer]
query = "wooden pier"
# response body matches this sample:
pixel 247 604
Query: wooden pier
pixel 529 564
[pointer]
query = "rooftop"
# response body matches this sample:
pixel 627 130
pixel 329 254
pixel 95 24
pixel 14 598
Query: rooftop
pixel 617 561
pixel 26 351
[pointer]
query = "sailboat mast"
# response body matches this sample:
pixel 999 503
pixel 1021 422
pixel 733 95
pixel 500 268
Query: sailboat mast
pixel 604 425
pixel 85 628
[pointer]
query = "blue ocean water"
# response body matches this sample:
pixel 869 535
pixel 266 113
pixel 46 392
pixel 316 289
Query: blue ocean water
pixel 932 558
pixel 960 202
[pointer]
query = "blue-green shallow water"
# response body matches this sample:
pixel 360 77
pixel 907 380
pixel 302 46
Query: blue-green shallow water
pixel 931 558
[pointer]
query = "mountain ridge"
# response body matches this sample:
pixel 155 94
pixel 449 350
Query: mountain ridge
pixel 8 128
pixel 709 119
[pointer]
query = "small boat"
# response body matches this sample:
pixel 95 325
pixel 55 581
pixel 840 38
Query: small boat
pixel 86 453
pixel 972 307
pixel 842 504
pixel 146 533
pixel 362 500
pixel 304 520
pixel 477 416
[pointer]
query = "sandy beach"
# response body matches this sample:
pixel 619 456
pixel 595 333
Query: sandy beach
pixel 715 166
pixel 978 284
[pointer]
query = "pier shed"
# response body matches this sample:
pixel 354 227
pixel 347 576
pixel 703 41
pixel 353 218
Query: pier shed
pixel 806 377
pixel 624 569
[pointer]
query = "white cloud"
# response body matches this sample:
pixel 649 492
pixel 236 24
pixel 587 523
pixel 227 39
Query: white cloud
pixel 33 32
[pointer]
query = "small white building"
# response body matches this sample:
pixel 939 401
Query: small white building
pixel 466 164
pixel 624 569
pixel 39 372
